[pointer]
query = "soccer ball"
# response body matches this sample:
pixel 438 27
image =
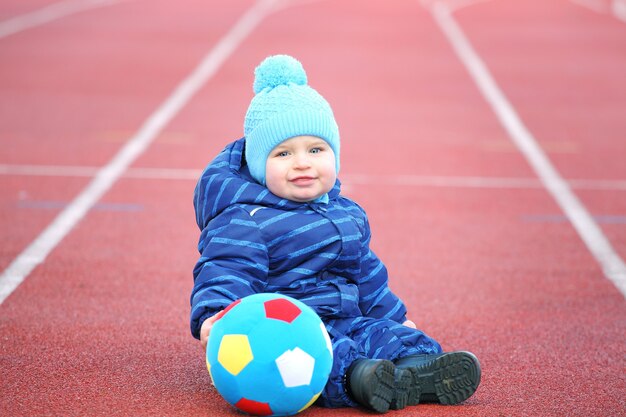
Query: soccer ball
pixel 269 355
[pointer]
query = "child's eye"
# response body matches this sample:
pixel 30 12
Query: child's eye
pixel 282 154
pixel 316 150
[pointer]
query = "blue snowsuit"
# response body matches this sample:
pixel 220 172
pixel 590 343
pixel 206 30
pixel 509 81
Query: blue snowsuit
pixel 253 241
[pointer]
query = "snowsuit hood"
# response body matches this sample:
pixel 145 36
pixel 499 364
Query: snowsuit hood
pixel 228 179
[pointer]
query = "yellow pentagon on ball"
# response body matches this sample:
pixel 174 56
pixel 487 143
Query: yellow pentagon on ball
pixel 234 353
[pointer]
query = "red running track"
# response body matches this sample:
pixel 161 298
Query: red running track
pixel 479 250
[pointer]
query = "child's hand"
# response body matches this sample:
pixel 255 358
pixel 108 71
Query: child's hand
pixel 410 323
pixel 206 329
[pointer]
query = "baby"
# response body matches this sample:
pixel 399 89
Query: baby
pixel 273 220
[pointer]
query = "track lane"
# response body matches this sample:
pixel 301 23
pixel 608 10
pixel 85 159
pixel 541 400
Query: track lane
pixel 581 86
pixel 93 99
pixel 36 252
pixel 98 86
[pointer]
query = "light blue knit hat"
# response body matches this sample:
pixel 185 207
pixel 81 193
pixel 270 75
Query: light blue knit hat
pixel 284 106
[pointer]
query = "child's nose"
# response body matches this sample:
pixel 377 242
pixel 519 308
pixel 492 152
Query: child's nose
pixel 302 161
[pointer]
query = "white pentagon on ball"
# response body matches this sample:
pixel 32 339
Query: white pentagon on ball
pixel 295 367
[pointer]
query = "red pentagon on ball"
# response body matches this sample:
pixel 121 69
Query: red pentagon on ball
pixel 281 309
pixel 254 407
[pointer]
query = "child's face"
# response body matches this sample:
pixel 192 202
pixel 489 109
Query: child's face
pixel 301 169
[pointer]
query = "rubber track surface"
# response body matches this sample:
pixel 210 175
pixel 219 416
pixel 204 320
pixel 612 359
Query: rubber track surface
pixel 480 252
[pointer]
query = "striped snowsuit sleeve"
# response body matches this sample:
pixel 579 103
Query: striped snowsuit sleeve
pixel 233 264
pixel 375 297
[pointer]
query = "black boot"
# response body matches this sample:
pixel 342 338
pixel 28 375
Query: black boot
pixel 446 378
pixel 376 384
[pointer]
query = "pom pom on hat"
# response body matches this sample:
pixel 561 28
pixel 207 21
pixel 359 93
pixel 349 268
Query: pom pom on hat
pixel 284 107
pixel 278 70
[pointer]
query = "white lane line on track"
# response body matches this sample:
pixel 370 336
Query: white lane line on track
pixel 356 179
pixel 477 182
pixel 39 249
pixel 452 5
pixel 48 14
pixel 612 265
pixel 597 6
pixel 617 8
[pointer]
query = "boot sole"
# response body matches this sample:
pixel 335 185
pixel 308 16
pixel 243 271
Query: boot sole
pixel 403 382
pixel 377 389
pixel 448 379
